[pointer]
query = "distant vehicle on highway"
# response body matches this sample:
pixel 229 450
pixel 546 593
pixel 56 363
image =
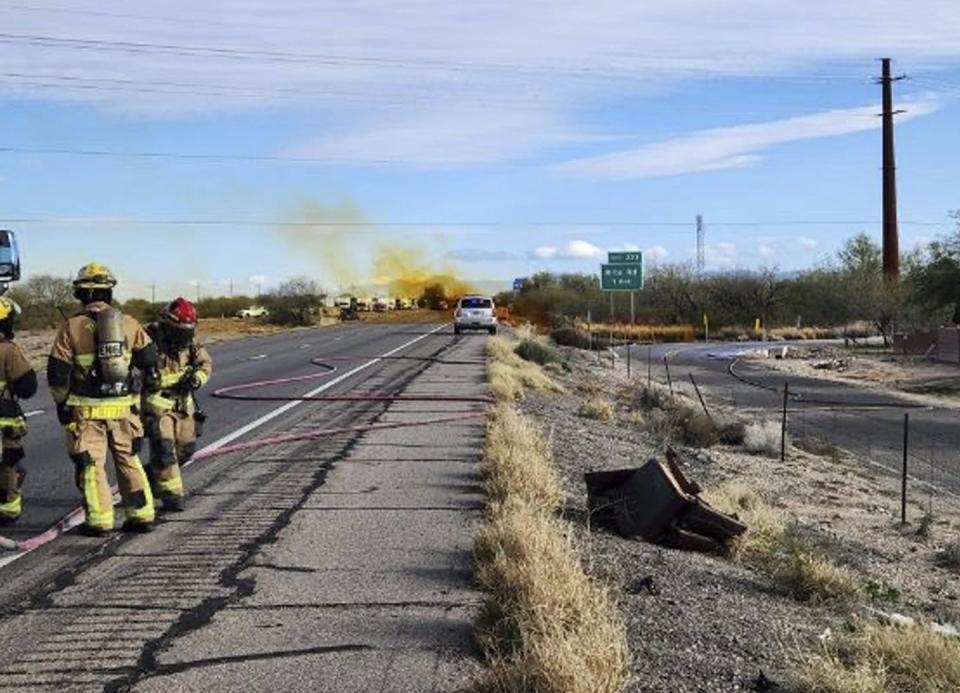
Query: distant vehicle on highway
pixel 382 304
pixel 344 301
pixel 364 304
pixel 253 312
pixel 405 303
pixel 475 313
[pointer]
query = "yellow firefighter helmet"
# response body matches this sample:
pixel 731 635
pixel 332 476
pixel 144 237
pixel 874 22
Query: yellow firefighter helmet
pixel 93 275
pixel 8 308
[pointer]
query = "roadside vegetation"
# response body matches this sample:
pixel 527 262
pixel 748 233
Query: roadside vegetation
pixel 510 376
pixel 545 626
pixel 843 297
pixel 771 545
pixel 876 658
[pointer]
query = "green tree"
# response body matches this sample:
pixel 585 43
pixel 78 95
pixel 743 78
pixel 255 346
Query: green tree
pixel 45 300
pixel 294 302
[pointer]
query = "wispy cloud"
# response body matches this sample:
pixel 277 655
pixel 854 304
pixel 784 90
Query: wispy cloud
pixel 807 243
pixel 432 84
pixel 731 147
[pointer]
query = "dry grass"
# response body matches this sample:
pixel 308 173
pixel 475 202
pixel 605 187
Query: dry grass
pixel 872 658
pixel 773 547
pixel 510 376
pixel 762 438
pixel 517 461
pixel 597 408
pixel 545 626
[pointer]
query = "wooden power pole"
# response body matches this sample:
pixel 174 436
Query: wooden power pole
pixel 891 233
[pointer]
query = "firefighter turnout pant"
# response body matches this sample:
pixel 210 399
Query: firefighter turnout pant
pixel 88 441
pixel 11 476
pixel 173 441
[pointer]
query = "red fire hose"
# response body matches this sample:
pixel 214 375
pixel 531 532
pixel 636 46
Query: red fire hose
pixel 242 392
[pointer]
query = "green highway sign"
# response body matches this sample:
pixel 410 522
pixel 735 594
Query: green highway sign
pixel 620 277
pixel 626 258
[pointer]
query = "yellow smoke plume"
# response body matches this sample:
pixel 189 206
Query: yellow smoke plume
pixel 350 252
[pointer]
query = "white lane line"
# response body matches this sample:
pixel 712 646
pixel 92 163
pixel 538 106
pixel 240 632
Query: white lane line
pixel 258 357
pixel 35 412
pixel 283 409
pixel 306 346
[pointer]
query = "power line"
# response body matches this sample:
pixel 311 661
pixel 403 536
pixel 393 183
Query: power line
pixel 453 223
pixel 232 53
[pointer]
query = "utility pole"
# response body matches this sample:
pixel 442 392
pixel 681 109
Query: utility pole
pixel 891 234
pixel 700 243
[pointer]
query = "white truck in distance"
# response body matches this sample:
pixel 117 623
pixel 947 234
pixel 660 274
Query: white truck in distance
pixel 253 312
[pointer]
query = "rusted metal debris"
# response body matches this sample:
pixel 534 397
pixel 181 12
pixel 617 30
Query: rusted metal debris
pixel 656 502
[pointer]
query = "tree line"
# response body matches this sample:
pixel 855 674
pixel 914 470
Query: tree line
pixel 845 289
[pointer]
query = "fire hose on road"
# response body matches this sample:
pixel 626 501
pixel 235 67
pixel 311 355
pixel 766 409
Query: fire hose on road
pixel 249 392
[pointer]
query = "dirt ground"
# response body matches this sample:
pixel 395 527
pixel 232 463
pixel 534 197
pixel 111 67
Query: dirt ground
pixel 921 379
pixel 703 623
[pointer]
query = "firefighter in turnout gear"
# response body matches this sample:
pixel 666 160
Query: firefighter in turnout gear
pixel 172 418
pixel 18 381
pixel 92 382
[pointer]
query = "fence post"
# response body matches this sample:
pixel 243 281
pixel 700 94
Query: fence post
pixel 903 476
pixel 783 423
pixel 649 367
pixel 666 365
pixel 700 397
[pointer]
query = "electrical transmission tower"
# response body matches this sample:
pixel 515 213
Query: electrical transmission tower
pixel 700 253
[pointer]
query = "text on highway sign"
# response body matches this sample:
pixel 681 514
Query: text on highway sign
pixel 625 258
pixel 621 277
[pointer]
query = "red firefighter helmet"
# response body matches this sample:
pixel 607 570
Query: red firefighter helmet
pixel 180 313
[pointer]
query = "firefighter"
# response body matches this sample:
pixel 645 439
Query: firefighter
pixel 172 418
pixel 18 381
pixel 92 382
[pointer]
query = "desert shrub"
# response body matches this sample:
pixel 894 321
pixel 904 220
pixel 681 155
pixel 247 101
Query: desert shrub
pixel 762 437
pixel 597 408
pixel 537 352
pixel 571 337
pixel 732 432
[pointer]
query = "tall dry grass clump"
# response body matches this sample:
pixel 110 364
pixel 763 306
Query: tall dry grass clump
pixel 510 376
pixel 517 462
pixel 774 547
pixel 874 658
pixel 763 438
pixel 545 626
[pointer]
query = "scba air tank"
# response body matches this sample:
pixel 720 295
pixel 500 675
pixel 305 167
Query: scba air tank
pixel 112 362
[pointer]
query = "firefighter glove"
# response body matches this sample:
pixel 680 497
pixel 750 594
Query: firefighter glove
pixel 64 414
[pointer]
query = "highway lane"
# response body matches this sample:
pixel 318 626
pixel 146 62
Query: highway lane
pixel 49 491
pixel 865 421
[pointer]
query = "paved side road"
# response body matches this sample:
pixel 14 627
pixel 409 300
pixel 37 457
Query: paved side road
pixel 338 565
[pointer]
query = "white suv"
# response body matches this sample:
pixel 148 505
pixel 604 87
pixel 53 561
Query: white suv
pixel 475 313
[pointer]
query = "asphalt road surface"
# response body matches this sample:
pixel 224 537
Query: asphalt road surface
pixel 337 564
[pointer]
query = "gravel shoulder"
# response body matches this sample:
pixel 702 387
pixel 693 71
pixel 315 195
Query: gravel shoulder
pixel 709 624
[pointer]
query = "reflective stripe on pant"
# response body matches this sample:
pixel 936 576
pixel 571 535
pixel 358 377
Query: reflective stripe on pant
pixel 88 441
pixel 11 478
pixel 173 441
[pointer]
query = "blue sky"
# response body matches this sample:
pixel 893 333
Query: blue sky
pixel 491 139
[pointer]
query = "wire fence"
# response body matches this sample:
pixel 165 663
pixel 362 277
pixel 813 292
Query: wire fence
pixel 915 451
